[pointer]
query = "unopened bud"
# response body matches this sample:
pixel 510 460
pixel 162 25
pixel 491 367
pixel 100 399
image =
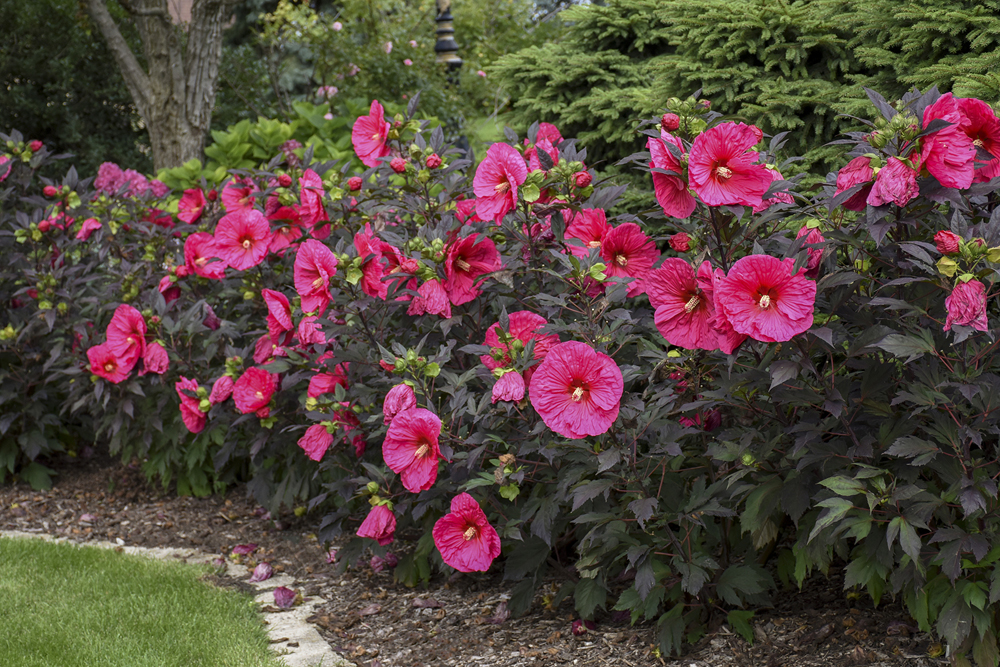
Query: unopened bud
pixel 670 122
pixel 284 180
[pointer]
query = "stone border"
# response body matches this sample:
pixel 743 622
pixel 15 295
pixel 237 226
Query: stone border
pixel 295 641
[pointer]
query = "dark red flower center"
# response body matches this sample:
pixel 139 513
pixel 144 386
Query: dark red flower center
pixel 247 242
pixel 109 367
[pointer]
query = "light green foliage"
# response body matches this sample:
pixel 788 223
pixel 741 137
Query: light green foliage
pixel 77 606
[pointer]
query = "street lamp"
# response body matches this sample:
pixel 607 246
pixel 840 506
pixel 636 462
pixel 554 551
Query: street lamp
pixel 446 48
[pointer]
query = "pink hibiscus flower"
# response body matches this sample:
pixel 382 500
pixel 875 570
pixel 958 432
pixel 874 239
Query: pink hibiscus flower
pixel 90 225
pixel 812 235
pixel 685 312
pixel 431 298
pixel 896 182
pixel 397 262
pixel 194 419
pixel 399 398
pixel 315 441
pixel 496 182
pixel 309 331
pixel 127 334
pixel 238 195
pixel 721 166
pixel 778 198
pixel 966 306
pixel 465 537
pixel 5 166
pixel 465 211
pixel 201 256
pixel 222 389
pixel 373 267
pixel 242 238
pixel 326 383
pixel 379 525
pixel 577 390
pixel 531 154
pixel 191 205
pixel 525 326
pixel 948 153
pixel 628 253
pixel 589 225
pixel 155 359
pixel 948 243
pixel 370 135
pixel 279 315
pixel 509 387
pixel 315 264
pixel 729 338
pixel 856 172
pixel 764 300
pixel 981 124
pixel 254 389
pixel 311 211
pixel 671 191
pixel 411 448
pixel 108 365
pixel 467 259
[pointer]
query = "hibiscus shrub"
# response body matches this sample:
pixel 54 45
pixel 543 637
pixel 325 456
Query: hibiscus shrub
pixel 674 411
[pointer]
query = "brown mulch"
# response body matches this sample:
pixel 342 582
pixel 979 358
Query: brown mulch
pixel 460 620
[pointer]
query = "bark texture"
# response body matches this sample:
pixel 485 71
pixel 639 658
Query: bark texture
pixel 175 93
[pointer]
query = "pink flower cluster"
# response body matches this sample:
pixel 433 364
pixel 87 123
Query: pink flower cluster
pixel 126 344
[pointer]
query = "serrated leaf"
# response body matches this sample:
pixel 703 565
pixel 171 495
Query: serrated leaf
pixel 739 621
pixel 843 486
pixel 782 371
pixel 643 510
pixel 589 595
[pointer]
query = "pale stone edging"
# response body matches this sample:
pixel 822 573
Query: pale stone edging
pixel 289 625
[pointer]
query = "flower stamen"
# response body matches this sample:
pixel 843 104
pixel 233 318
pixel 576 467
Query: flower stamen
pixel 578 394
pixel 692 304
pixel 421 452
pixel 724 173
pixel 501 187
pixel 978 143
pixel 765 302
pixel 621 260
pixel 246 244
pixel 462 265
pixel 469 533
pixel 109 367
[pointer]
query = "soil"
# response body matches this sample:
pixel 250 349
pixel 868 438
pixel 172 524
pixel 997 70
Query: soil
pixel 460 620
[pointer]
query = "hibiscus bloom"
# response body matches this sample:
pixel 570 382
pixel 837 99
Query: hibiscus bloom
pixel 778 198
pixel 201 256
pixel 411 448
pixel 431 298
pixel 815 255
pixel 966 306
pixel 108 365
pixel 589 225
pixel 465 537
pixel 628 253
pixel 254 389
pixel 981 124
pixel 729 338
pixel 380 525
pixel 399 398
pixel 315 264
pixel 242 238
pixel 948 153
pixel 721 166
pixel 194 419
pixel 467 259
pixel 370 135
pixel 315 441
pixel 509 387
pixel 5 166
pixel 310 332
pixel 90 225
pixel 127 333
pixel 155 359
pixel 222 389
pixel 685 311
pixel 496 182
pixel 373 267
pixel 948 243
pixel 191 205
pixel 671 191
pixel 856 172
pixel 397 262
pixel 896 182
pixel 311 211
pixel 525 327
pixel 238 195
pixel 279 314
pixel 465 211
pixel 326 383
pixel 531 154
pixel 577 390
pixel 548 132
pixel 763 299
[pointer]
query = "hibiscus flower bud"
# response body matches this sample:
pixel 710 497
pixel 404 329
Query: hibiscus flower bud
pixel 213 195
pixel 354 183
pixel 398 165
pixel 50 191
pixel 284 180
pixel 582 179
pixel 680 242
pixel 670 122
pixel 948 243
pixel 966 306
pixel 35 146
pixel 44 226
pixel 433 161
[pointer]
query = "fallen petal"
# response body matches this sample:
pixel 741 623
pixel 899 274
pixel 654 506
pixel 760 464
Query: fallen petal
pixel 262 572
pixel 284 598
pixel 501 615
pixel 370 609
pixel 87 518
pixel 426 603
pixel 244 549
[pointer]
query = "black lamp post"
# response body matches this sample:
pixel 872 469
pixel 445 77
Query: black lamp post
pixel 446 47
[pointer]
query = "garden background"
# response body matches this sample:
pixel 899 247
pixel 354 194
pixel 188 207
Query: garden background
pixel 369 286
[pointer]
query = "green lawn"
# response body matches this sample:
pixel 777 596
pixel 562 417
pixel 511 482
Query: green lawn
pixel 68 606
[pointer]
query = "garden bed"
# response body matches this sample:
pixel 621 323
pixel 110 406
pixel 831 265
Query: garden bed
pixel 458 621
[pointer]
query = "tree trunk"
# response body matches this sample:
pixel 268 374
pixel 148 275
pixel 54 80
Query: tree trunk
pixel 176 92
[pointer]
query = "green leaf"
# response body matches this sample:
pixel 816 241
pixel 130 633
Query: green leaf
pixel 835 509
pixel 911 347
pixel 843 486
pixel 782 371
pixel 510 491
pixel 739 621
pixel 670 630
pixel 911 447
pixel 589 595
pixel 740 579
